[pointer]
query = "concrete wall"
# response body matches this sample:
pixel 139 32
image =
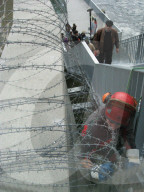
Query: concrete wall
pixel 34 40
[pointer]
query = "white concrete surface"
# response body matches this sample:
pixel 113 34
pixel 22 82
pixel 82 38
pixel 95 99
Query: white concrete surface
pixel 32 44
pixel 77 13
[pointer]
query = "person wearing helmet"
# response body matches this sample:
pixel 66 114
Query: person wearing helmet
pixel 106 131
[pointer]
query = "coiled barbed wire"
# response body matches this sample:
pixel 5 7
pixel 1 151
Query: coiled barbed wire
pixel 34 82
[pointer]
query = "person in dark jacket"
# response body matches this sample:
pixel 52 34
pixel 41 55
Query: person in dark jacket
pixel 83 35
pixel 106 131
pixel 105 39
pixel 74 27
pixel 76 37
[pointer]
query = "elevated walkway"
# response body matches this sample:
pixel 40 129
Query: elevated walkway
pixel 77 13
pixel 131 51
pixel 111 78
pixel 120 76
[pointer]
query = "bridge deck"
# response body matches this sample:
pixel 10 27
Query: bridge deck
pixel 77 13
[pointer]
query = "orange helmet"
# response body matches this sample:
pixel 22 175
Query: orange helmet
pixel 120 107
pixel 106 97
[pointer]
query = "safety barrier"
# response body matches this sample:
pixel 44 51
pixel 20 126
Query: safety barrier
pixel 110 78
pixel 134 47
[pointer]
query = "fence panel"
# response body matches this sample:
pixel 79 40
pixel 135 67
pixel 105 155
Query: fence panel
pixel 134 47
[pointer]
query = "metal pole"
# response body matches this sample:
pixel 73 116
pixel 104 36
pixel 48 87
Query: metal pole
pixel 90 10
pixel 139 53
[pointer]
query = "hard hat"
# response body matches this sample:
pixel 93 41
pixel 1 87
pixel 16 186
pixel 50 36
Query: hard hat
pixel 106 97
pixel 120 107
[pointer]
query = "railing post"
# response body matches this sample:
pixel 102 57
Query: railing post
pixel 139 53
pixel 139 131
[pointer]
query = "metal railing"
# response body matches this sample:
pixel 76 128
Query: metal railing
pixel 134 47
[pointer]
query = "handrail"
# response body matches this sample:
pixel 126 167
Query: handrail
pixel 132 38
pixel 134 47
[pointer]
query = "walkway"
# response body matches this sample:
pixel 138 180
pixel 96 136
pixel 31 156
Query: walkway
pixel 77 13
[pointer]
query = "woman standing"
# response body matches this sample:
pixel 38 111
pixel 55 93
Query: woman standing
pixel 93 26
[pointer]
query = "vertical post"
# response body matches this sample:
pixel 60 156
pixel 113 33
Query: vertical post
pixel 139 53
pixel 90 10
pixel 139 129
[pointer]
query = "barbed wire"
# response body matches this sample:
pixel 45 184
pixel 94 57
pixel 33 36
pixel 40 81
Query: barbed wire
pixel 43 103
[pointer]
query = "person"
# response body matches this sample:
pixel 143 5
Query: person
pixel 67 27
pixel 105 39
pixel 91 46
pixel 93 26
pixel 74 27
pixel 68 30
pixel 76 37
pixel 64 39
pixel 83 35
pixel 107 132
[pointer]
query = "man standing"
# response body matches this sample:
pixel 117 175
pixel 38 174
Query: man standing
pixel 105 39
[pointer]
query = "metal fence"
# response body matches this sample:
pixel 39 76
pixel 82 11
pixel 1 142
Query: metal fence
pixel 134 47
